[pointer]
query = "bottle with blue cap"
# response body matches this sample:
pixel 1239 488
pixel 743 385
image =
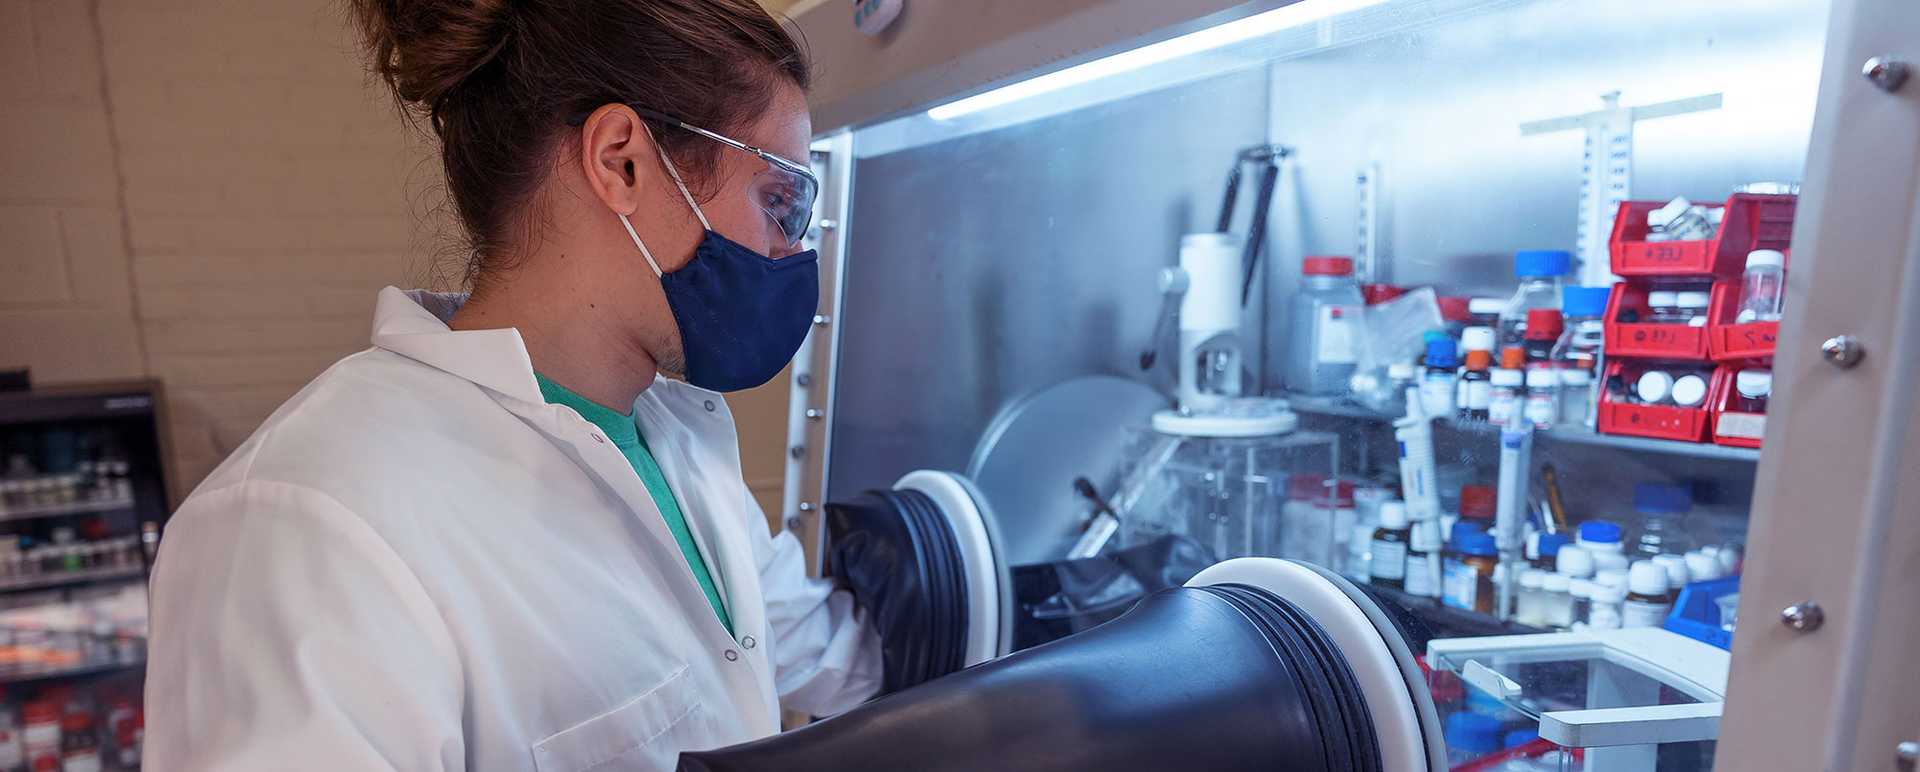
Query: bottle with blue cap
pixel 1599 536
pixel 1438 382
pixel 1540 272
pixel 1577 354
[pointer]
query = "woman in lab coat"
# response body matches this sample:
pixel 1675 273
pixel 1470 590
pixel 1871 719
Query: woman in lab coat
pixel 495 540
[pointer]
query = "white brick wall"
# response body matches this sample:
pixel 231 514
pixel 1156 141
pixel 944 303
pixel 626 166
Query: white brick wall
pixel 211 193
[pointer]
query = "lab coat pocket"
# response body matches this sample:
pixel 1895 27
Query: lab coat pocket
pixel 644 733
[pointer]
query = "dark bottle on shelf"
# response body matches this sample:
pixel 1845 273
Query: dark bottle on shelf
pixel 1476 386
pixel 1387 561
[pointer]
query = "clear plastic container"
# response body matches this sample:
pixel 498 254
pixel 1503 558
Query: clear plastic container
pixel 1539 272
pixel 1543 397
pixel 1763 288
pixel 1326 329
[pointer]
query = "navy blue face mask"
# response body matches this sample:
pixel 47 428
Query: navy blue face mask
pixel 742 315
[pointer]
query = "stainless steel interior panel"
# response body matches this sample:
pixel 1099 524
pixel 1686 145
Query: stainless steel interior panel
pixel 996 264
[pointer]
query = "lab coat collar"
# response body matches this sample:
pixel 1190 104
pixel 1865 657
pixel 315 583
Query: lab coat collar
pixel 413 324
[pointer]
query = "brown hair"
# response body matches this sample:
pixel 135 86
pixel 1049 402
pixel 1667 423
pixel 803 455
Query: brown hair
pixel 497 79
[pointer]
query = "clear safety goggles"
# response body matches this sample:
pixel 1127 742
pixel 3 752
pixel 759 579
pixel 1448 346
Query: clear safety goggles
pixel 787 194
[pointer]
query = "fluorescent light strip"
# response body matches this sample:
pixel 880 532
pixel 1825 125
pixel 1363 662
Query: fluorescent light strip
pixel 1296 15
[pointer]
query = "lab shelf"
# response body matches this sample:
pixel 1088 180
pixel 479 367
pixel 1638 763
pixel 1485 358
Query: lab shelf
pixel 60 510
pixel 1445 621
pixel 14 675
pixel 71 579
pixel 1337 408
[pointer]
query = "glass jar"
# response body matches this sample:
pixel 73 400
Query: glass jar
pixel 1326 329
pixel 1763 288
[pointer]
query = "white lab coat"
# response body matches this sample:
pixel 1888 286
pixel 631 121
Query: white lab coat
pixel 418 564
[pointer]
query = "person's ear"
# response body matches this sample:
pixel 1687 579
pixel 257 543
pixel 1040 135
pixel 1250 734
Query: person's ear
pixel 618 157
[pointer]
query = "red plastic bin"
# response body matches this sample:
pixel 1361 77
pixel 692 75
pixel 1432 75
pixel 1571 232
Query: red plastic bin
pixel 1737 429
pixel 1665 422
pixel 1652 341
pixel 1730 342
pixel 1753 221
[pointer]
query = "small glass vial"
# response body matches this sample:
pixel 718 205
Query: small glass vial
pixel 1763 288
pixel 1509 388
pixel 1475 395
pixel 1665 305
pixel 1649 598
pixel 1655 387
pixel 1543 397
pixel 1689 390
pixel 1752 388
pixel 1605 613
pixel 1556 601
pixel 1693 306
pixel 1387 560
pixel 1527 609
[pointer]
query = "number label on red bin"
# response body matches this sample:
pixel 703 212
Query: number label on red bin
pixel 1664 253
pixel 1757 337
pixel 1659 334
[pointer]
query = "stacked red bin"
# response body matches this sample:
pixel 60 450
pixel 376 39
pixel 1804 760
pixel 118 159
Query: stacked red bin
pixel 1676 343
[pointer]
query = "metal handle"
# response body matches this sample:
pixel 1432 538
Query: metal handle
pixel 1803 617
pixel 1842 351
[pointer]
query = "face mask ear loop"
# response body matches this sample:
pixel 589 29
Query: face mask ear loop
pixel 675 174
pixel 644 252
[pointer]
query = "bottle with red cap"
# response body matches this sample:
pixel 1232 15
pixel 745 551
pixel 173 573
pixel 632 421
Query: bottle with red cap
pixel 1325 336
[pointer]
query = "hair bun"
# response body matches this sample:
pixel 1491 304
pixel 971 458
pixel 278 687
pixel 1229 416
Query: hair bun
pixel 424 49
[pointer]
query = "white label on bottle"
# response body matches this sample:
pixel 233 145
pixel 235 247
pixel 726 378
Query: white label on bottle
pixel 82 761
pixel 1504 406
pixel 1337 335
pixel 1751 426
pixel 1640 613
pixel 1479 395
pixel 1436 393
pixel 1460 587
pixel 1389 560
pixel 1420 575
pixel 1541 410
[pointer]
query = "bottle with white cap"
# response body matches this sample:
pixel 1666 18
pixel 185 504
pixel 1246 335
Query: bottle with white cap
pixel 1693 306
pixel 1387 558
pixel 1543 397
pixel 1605 613
pixel 1556 600
pixel 1763 288
pixel 1689 390
pixel 1527 609
pixel 1678 575
pixel 1581 590
pixel 1729 557
pixel 1423 559
pixel 1654 387
pixel 1574 561
pixel 1611 577
pixel 1702 567
pixel 1666 307
pixel 1649 598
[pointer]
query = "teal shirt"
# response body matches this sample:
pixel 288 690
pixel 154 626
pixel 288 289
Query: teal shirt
pixel 625 434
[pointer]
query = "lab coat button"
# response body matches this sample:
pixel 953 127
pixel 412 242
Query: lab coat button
pixel 732 656
pixel 747 641
pixel 709 406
